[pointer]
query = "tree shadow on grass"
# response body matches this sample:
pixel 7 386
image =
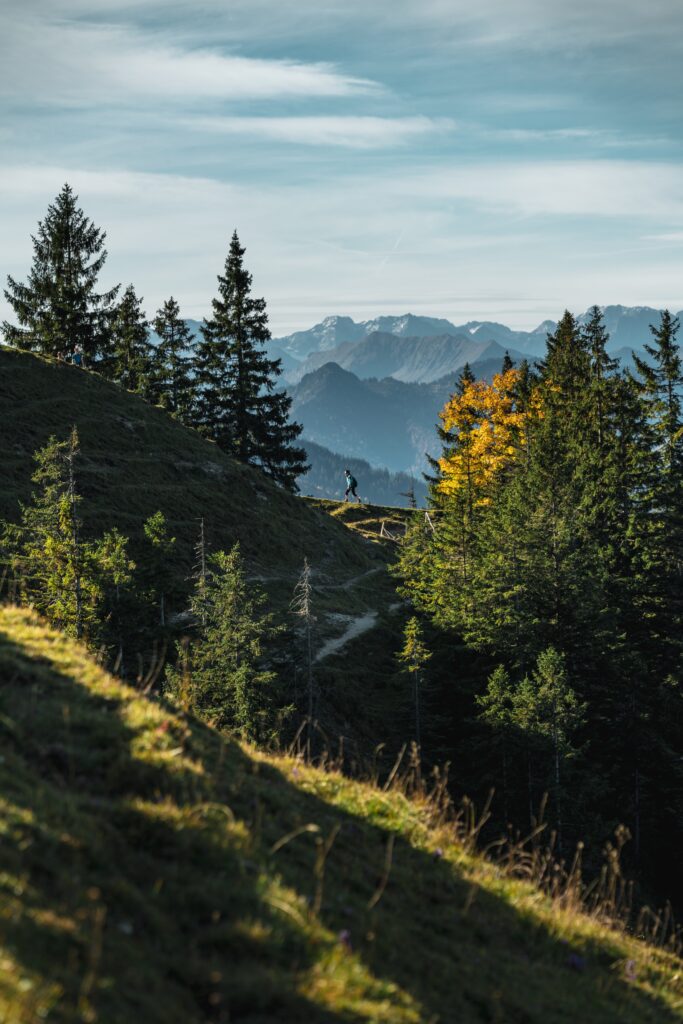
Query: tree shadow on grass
pixel 143 883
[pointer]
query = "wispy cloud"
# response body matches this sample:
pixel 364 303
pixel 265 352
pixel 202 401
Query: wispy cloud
pixel 86 64
pixel 595 188
pixel 352 132
pixel 324 246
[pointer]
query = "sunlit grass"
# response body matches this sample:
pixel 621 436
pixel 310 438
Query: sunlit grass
pixel 152 870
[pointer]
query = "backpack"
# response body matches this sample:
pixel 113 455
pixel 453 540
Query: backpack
pixel 353 483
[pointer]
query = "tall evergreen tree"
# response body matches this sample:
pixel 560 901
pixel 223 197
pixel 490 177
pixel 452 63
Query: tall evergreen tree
pixel 602 368
pixel 129 359
pixel 238 404
pixel 551 708
pixel 225 673
pixel 63 575
pixel 413 656
pixel 173 358
pixel 497 710
pixel 59 309
pixel 661 384
pixel 157 569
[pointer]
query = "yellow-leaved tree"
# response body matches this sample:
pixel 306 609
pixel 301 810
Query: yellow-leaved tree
pixel 487 422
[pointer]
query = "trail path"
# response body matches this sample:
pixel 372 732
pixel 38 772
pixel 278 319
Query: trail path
pixel 356 627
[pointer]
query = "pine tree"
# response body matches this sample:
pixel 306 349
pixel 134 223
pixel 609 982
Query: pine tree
pixel 238 405
pixel 229 682
pixel 65 577
pixel 129 360
pixel 662 381
pixel 661 384
pixel 497 710
pixel 414 655
pixel 158 569
pixel 302 607
pixel 548 706
pixel 602 369
pixel 59 310
pixel 173 358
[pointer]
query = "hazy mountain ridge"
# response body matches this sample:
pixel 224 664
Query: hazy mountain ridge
pixel 410 359
pixel 628 327
pixel 389 423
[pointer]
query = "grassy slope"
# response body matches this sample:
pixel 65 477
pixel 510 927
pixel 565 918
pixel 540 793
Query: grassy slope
pixel 136 459
pixel 138 882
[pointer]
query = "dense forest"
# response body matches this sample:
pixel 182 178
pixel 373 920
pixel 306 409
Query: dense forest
pixel 544 655
pixel 553 563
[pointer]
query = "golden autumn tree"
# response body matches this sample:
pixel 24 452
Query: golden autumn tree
pixel 487 423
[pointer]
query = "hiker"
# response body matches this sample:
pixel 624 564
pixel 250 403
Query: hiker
pixel 77 358
pixel 351 484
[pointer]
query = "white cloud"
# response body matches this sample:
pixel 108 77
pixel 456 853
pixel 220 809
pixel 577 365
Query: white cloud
pixel 527 24
pixel 361 132
pixel 506 243
pixel 597 188
pixel 87 64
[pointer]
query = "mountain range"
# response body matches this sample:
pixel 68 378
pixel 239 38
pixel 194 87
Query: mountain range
pixel 628 326
pixel 371 391
pixel 387 422
pixel 412 359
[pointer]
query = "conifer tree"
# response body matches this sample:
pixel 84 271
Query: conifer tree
pixel 59 309
pixel 238 405
pixel 65 577
pixel 414 655
pixel 129 360
pixel 602 369
pixel 158 568
pixel 229 682
pixel 302 607
pixel 497 710
pixel 173 358
pixel 662 381
pixel 661 384
pixel 548 706
pixel 508 363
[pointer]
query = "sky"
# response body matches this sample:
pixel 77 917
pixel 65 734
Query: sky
pixel 502 160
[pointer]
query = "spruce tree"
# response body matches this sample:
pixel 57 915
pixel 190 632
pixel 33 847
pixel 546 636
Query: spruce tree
pixel 414 655
pixel 173 358
pixel 662 382
pixel 550 708
pixel 497 710
pixel 59 309
pixel 65 577
pixel 238 405
pixel 224 670
pixel 661 386
pixel 157 567
pixel 602 369
pixel 302 607
pixel 129 359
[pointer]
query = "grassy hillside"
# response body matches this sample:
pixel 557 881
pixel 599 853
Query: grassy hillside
pixel 152 870
pixel 136 459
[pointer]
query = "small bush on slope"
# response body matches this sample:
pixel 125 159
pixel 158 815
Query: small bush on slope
pixel 153 870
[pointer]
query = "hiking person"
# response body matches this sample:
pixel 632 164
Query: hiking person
pixel 351 484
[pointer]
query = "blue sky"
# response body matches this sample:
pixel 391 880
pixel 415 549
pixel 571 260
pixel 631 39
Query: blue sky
pixel 501 160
